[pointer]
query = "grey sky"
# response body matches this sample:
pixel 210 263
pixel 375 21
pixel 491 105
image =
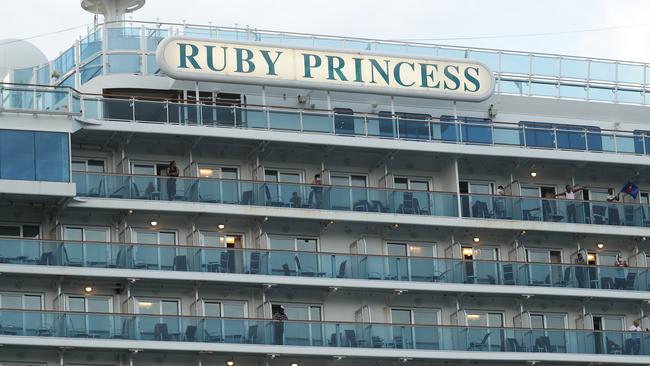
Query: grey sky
pixel 385 19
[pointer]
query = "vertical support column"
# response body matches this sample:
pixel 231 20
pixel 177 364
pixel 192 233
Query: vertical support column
pixel 143 50
pixel 267 113
pixel 328 99
pixel 104 36
pixel 199 110
pixel 392 116
pixel 458 198
pixel 77 62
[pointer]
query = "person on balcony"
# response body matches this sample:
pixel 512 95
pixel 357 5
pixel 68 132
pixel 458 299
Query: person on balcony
pixel 278 325
pixel 500 203
pixel 581 260
pixel 172 173
pixel 635 339
pixel 570 194
pixel 612 210
pixel 316 194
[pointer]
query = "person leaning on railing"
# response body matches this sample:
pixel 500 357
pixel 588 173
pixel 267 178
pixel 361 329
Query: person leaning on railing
pixel 570 194
pixel 612 210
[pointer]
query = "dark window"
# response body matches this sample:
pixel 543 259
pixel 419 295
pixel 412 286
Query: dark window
pixel 344 121
pixel 34 155
pixel 17 154
pixel 385 124
pixel 51 156
pixel 570 137
pixel 537 134
pixel 474 130
pixel 413 126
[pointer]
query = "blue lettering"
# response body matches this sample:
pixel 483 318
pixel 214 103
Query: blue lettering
pixel 185 57
pixel 357 70
pixel 331 69
pixel 453 77
pixel 241 59
pixel 472 79
pixel 374 65
pixel 397 72
pixel 270 62
pixel 307 59
pixel 427 75
pixel 210 58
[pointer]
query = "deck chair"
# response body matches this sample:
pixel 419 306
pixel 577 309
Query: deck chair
pixel 548 212
pixel 629 280
pixel 252 335
pixel 269 198
pixel 407 206
pixel 161 333
pixel 68 261
pixel 481 346
pixel 180 263
pixel 341 273
pixel 566 279
pixel 308 271
pixel 190 333
pixel 513 346
pixel 350 338
pixel 613 348
pixel 254 263
pixel 599 214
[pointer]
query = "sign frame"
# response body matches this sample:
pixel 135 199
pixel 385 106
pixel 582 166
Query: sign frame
pixel 175 73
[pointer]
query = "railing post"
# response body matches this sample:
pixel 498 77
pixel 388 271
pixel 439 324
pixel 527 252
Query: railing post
pixel 69 101
pixel 300 119
pixel 365 123
pixel 167 111
pixel 199 112
pixel 133 109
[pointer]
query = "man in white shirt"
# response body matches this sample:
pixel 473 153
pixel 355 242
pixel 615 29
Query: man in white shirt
pixel 635 338
pixel 570 194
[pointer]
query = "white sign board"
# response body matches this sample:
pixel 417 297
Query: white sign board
pixel 364 72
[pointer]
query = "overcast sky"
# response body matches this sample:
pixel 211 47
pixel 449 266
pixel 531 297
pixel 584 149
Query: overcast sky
pixel 384 19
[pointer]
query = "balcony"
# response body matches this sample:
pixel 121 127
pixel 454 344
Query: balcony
pixel 105 326
pixel 359 199
pixel 554 210
pixel 324 265
pixel 445 129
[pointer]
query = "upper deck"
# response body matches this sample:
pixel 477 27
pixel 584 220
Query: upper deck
pixel 129 48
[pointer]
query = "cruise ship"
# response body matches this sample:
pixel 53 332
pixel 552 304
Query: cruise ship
pixel 185 194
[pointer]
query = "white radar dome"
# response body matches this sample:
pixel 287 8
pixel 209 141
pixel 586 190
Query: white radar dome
pixel 18 54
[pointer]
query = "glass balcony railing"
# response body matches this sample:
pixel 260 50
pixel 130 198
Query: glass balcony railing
pixel 239 192
pixel 318 333
pixel 381 126
pixel 364 199
pixel 319 264
pixel 554 210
